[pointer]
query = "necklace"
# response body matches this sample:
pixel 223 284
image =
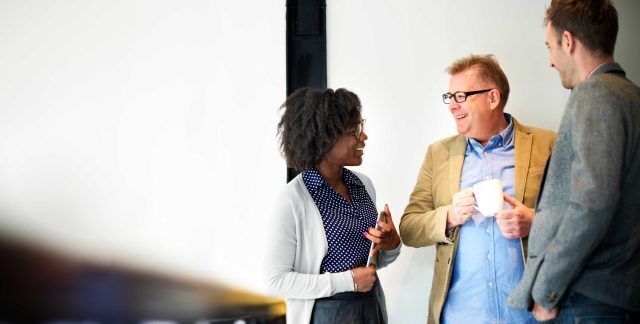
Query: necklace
pixel 595 68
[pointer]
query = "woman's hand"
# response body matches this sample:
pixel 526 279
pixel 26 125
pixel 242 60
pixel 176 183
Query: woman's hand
pixel 364 278
pixel 386 237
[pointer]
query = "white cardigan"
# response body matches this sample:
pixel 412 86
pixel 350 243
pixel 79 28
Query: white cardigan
pixel 296 248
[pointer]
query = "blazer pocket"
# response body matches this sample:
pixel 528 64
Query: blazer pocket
pixel 536 169
pixel 534 178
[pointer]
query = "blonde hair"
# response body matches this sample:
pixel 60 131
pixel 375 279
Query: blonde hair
pixel 489 71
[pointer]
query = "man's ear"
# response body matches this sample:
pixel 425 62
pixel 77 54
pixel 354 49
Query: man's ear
pixel 494 98
pixel 568 42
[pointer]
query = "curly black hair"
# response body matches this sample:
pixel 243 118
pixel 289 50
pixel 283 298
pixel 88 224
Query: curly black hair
pixel 313 121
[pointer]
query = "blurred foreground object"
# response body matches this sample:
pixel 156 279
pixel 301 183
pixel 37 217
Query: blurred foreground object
pixel 40 285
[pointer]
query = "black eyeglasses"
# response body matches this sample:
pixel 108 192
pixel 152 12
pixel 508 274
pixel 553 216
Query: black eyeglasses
pixel 357 132
pixel 460 96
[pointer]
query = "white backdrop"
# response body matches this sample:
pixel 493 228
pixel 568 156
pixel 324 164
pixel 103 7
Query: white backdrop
pixel 393 55
pixel 143 132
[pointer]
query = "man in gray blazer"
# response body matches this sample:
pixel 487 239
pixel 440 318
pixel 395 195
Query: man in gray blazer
pixel 584 246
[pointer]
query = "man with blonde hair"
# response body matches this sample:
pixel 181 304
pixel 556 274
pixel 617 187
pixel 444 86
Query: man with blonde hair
pixel 584 260
pixel 479 259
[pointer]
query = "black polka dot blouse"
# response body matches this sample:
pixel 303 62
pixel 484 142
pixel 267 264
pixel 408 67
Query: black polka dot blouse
pixel 344 222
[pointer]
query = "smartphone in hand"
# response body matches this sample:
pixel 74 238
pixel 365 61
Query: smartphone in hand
pixel 373 259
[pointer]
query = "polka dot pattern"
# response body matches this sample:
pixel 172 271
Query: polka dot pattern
pixel 343 222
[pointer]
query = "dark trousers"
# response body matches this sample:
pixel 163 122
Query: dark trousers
pixel 578 308
pixel 348 307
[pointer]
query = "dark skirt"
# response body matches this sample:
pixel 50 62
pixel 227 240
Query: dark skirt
pixel 349 307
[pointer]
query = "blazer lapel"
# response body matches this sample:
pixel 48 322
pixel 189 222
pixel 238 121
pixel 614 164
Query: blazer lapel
pixel 522 157
pixel 457 151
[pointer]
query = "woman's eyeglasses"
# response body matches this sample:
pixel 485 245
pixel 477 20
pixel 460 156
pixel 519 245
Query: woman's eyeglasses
pixel 357 132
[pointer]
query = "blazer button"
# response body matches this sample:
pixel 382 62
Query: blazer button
pixel 552 297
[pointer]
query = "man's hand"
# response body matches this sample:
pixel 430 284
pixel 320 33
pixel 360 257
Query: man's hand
pixel 516 222
pixel 542 314
pixel 461 209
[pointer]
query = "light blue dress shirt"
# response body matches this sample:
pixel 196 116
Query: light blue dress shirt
pixel 487 265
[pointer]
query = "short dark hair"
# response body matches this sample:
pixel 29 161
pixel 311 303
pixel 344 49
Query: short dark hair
pixel 593 22
pixel 489 71
pixel 313 121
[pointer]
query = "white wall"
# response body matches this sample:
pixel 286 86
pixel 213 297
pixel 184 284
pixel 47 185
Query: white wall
pixel 393 55
pixel 143 132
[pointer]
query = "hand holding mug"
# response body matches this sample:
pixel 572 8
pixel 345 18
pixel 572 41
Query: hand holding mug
pixel 461 209
pixel 516 222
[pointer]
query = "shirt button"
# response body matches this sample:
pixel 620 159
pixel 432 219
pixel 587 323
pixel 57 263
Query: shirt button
pixel 489 256
pixel 488 231
pixel 490 284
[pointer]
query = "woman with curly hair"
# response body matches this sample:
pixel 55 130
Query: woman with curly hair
pixel 325 218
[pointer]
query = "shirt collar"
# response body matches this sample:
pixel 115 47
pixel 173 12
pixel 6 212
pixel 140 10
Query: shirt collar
pixel 504 138
pixel 314 180
pixel 609 68
pixel 350 179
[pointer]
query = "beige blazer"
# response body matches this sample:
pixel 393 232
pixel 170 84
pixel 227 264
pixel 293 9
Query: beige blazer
pixel 424 221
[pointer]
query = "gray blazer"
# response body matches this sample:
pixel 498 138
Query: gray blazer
pixel 586 233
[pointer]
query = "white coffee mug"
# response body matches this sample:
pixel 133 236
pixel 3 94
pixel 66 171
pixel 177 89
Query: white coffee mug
pixel 488 194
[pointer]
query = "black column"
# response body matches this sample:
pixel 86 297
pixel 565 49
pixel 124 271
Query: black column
pixel 306 48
